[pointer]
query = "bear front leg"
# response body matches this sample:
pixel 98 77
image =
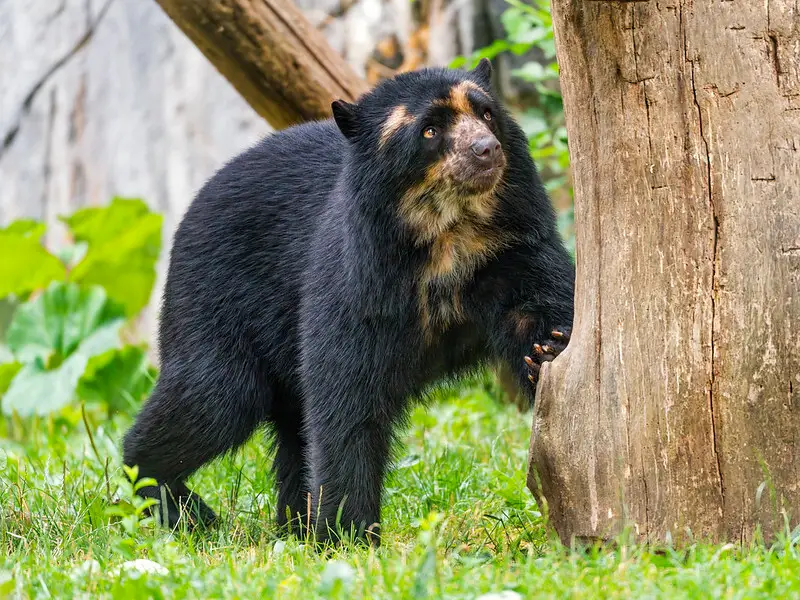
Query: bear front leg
pixel 525 305
pixel 349 455
pixel 291 473
pixel 526 339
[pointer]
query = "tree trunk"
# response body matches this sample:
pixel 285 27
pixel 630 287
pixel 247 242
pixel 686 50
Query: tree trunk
pixel 680 391
pixel 271 54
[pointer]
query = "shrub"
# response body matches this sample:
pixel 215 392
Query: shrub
pixel 69 311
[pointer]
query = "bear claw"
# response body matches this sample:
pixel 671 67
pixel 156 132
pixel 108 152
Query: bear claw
pixel 546 352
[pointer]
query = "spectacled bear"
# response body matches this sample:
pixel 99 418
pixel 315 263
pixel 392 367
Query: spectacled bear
pixel 326 276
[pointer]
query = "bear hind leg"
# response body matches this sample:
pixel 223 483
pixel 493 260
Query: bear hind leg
pixel 184 426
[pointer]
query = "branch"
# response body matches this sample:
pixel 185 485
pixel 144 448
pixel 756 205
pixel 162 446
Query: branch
pixel 281 65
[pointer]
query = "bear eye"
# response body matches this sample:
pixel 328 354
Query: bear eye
pixel 429 132
pixel 487 114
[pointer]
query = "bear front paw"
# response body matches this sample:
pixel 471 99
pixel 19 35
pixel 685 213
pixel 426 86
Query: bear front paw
pixel 547 351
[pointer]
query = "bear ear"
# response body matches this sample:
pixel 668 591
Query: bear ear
pixel 483 73
pixel 346 117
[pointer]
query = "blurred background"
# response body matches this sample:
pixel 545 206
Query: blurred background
pixel 106 98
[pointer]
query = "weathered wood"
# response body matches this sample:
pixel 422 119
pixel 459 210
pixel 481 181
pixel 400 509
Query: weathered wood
pixel 680 391
pixel 271 54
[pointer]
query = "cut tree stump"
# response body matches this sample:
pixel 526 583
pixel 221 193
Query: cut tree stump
pixel 272 55
pixel 675 411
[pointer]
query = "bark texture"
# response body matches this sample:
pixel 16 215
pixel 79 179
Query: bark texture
pixel 676 408
pixel 272 55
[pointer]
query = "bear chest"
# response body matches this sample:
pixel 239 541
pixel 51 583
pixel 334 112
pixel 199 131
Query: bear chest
pixel 451 261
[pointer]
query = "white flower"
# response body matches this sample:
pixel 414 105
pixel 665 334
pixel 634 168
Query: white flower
pixel 141 566
pixel 336 571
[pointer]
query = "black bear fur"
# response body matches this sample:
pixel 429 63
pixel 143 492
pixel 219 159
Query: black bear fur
pixel 326 276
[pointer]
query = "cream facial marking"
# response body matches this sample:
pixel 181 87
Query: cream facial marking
pixel 458 100
pixel 397 119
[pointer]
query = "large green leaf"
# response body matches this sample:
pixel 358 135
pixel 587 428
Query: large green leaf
pixel 53 337
pixel 124 240
pixel 54 324
pixel 8 368
pixel 38 390
pixel 119 378
pixel 26 265
pixel 7 373
pixel 28 227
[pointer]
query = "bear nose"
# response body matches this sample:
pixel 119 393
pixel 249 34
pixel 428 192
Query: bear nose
pixel 487 149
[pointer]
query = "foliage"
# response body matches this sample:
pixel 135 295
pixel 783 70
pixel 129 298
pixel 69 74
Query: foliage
pixel 26 265
pixel 53 337
pixel 63 341
pixel 120 378
pixel 123 242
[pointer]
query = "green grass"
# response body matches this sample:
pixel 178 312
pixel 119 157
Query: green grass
pixel 458 522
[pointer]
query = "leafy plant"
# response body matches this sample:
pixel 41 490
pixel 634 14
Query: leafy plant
pixel 130 508
pixel 527 26
pixel 63 341
pixel 123 242
pixel 52 338
pixel 119 378
pixel 27 265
